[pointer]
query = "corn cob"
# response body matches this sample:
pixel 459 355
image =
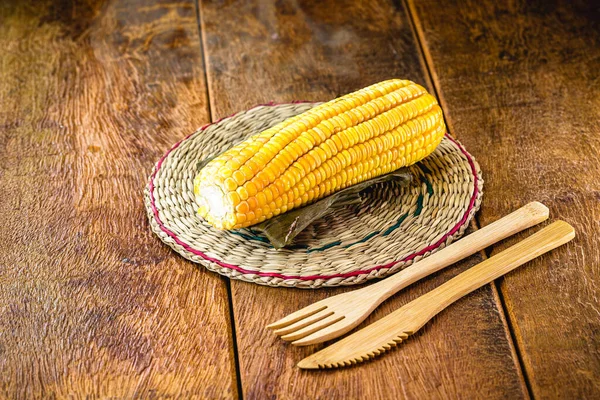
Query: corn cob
pixel 348 140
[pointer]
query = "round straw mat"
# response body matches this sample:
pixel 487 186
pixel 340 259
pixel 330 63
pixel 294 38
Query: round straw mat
pixel 392 228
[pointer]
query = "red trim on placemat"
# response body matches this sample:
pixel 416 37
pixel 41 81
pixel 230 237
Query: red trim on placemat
pixel 452 231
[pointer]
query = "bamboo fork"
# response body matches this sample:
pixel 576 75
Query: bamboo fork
pixel 394 328
pixel 334 316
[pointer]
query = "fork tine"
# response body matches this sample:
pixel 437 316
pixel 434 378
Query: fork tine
pixel 324 323
pixel 297 315
pixel 331 332
pixel 304 322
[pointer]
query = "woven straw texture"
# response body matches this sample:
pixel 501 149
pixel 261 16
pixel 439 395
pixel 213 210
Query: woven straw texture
pixel 392 228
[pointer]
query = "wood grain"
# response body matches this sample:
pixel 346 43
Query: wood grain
pixel 282 51
pixel 520 86
pixel 91 303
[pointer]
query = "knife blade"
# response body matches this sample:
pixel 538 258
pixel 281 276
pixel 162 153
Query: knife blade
pixel 365 344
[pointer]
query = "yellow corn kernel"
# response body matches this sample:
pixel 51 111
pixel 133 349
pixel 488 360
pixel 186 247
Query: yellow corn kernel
pixel 243 207
pixel 262 199
pixel 234 198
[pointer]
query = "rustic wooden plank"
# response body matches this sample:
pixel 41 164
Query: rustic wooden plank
pixel 519 81
pixel 285 51
pixel 91 303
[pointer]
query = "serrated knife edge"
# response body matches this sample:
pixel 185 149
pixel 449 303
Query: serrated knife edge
pixel 365 344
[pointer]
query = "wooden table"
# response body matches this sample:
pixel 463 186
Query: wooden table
pixel 92 93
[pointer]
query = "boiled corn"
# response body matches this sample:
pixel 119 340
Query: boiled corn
pixel 353 138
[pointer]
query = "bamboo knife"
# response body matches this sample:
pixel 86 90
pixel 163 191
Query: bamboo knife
pixel 391 330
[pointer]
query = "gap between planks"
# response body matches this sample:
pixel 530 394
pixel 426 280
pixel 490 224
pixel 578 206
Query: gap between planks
pixel 433 81
pixel 200 24
pixel 232 330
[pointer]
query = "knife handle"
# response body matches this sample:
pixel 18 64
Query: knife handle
pixel 525 217
pixel 430 304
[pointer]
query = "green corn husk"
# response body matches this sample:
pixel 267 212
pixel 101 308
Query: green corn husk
pixel 201 164
pixel 282 229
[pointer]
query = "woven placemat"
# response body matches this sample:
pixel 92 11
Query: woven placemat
pixel 392 228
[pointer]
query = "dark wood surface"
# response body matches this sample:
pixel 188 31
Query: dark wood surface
pixel 529 110
pixel 92 93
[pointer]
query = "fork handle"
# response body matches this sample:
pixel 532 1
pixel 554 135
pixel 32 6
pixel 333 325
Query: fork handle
pixel 552 236
pixel 523 218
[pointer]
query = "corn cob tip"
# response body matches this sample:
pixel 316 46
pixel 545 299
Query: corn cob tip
pixel 214 206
